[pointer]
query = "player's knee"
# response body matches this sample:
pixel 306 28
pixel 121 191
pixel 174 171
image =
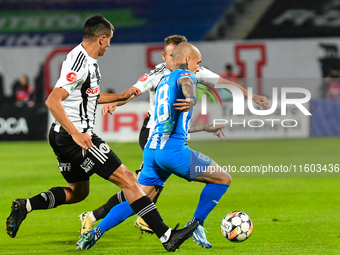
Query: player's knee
pixel 223 180
pixel 82 196
pixel 130 180
pixel 80 193
pixel 226 180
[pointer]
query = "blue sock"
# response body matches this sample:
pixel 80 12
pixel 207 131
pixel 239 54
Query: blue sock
pixel 210 196
pixel 116 216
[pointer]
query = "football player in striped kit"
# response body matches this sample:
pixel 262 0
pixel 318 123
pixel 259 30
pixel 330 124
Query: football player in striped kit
pixel 149 82
pixel 79 151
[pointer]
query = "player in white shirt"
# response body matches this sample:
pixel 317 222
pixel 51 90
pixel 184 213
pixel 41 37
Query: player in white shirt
pixel 149 82
pixel 79 151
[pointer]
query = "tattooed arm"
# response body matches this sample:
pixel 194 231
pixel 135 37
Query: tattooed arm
pixel 217 129
pixel 189 91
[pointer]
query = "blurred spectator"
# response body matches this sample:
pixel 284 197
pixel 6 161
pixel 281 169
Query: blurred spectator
pixel 23 93
pixel 229 75
pixel 332 84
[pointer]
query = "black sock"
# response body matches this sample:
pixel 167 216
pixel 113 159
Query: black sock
pixel 160 188
pixel 147 210
pixel 102 211
pixel 48 199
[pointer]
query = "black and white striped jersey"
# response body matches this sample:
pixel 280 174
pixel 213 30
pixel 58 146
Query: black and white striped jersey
pixel 150 80
pixel 80 77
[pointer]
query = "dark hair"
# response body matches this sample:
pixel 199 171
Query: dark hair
pixel 97 26
pixel 174 39
pixel 228 66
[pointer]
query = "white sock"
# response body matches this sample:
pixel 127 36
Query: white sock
pixel 165 237
pixel 92 216
pixel 28 206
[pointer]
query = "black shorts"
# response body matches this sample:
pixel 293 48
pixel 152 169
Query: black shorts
pixel 75 166
pixel 144 133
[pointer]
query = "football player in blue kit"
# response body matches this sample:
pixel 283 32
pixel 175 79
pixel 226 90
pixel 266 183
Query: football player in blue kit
pixel 167 151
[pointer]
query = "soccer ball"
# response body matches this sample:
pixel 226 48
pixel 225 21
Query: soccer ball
pixel 236 226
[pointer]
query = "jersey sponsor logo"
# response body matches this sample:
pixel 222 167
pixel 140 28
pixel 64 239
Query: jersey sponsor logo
pixel 87 165
pixel 93 91
pixel 186 74
pixel 71 77
pixel 168 127
pixel 144 77
pixel 64 167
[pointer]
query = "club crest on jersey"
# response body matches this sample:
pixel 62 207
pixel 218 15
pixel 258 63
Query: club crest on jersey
pixel 71 77
pixel 186 74
pixel 103 147
pixel 92 91
pixel 144 77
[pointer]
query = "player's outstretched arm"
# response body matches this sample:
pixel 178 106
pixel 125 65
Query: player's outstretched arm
pixel 189 91
pixel 260 100
pixel 123 96
pixel 108 109
pixel 217 129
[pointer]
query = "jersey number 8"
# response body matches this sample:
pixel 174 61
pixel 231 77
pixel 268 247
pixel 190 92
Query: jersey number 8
pixel 163 109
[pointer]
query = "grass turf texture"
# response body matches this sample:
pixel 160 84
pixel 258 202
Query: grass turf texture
pixel 290 215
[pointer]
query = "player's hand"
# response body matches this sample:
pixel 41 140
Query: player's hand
pixel 108 108
pixel 183 105
pixel 84 140
pixel 126 94
pixel 217 130
pixel 133 91
pixel 261 100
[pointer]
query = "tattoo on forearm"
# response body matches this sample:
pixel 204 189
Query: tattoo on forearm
pixel 188 87
pixel 189 90
pixel 195 127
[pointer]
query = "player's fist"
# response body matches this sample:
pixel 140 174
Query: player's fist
pixel 133 91
pixel 261 100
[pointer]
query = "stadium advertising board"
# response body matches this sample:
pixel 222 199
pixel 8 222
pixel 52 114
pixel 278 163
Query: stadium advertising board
pixel 279 63
pixel 325 120
pixel 23 123
pixel 45 28
pixel 53 22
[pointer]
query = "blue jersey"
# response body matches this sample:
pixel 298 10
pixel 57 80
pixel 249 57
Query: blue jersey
pixel 171 129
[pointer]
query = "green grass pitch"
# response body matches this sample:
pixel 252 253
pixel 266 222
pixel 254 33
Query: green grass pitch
pixel 295 215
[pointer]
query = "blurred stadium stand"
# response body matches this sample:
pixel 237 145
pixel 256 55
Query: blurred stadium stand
pixel 238 20
pixel 299 19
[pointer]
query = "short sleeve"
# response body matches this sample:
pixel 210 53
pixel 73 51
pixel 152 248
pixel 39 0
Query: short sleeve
pixel 207 76
pixel 72 73
pixel 144 83
pixel 186 74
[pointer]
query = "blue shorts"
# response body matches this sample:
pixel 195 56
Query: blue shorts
pixel 160 164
